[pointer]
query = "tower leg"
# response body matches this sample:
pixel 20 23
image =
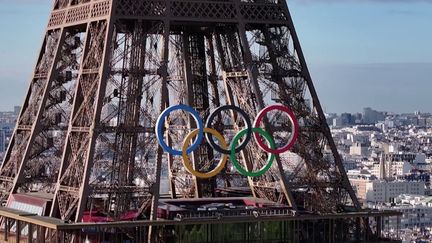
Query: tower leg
pixel 164 103
pixel 29 121
pixel 72 188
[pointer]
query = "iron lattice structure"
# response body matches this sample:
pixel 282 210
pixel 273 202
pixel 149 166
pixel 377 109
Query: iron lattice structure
pixel 106 70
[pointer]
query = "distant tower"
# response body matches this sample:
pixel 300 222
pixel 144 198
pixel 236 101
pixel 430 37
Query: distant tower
pixel 17 110
pixel 106 70
pixel 2 140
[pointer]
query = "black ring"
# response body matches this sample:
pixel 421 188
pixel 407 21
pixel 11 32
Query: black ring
pixel 247 120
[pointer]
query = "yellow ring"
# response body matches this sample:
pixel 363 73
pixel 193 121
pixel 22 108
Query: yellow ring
pixel 186 162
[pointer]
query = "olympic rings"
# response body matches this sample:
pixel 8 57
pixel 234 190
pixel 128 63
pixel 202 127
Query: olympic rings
pixel 294 129
pixel 187 163
pixel 159 129
pixel 246 120
pixel 269 160
pixel 223 147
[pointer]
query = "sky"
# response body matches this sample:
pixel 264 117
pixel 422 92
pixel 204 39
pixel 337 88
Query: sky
pixel 361 53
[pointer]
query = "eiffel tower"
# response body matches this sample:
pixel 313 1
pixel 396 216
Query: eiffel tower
pixel 108 68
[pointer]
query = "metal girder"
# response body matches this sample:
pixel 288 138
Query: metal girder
pixel 109 67
pixel 18 153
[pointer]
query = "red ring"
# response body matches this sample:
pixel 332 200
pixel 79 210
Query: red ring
pixel 293 137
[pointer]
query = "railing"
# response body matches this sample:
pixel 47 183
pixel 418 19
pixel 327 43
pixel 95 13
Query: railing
pixel 218 214
pixel 19 226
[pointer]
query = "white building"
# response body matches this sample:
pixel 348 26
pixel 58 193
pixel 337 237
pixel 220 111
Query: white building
pixel 359 149
pixel 387 191
pixel 391 169
pixel 417 211
pixel 368 189
pixel 357 137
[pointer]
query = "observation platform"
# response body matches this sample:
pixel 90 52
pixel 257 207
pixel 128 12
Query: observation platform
pixel 206 220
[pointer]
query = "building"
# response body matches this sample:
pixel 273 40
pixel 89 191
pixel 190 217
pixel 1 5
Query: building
pixel 337 122
pixel 17 110
pixel 347 119
pixel 389 169
pixel 380 191
pixel 409 157
pixel 417 211
pixel 350 164
pixel 387 191
pixel 359 149
pixel 417 175
pixel 2 141
pixel 371 116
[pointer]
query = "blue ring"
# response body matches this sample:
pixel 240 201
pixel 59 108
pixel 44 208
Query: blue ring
pixel 160 125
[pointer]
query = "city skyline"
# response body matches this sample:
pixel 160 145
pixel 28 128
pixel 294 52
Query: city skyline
pixel 370 54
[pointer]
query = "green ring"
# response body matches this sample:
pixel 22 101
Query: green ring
pixel 237 164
